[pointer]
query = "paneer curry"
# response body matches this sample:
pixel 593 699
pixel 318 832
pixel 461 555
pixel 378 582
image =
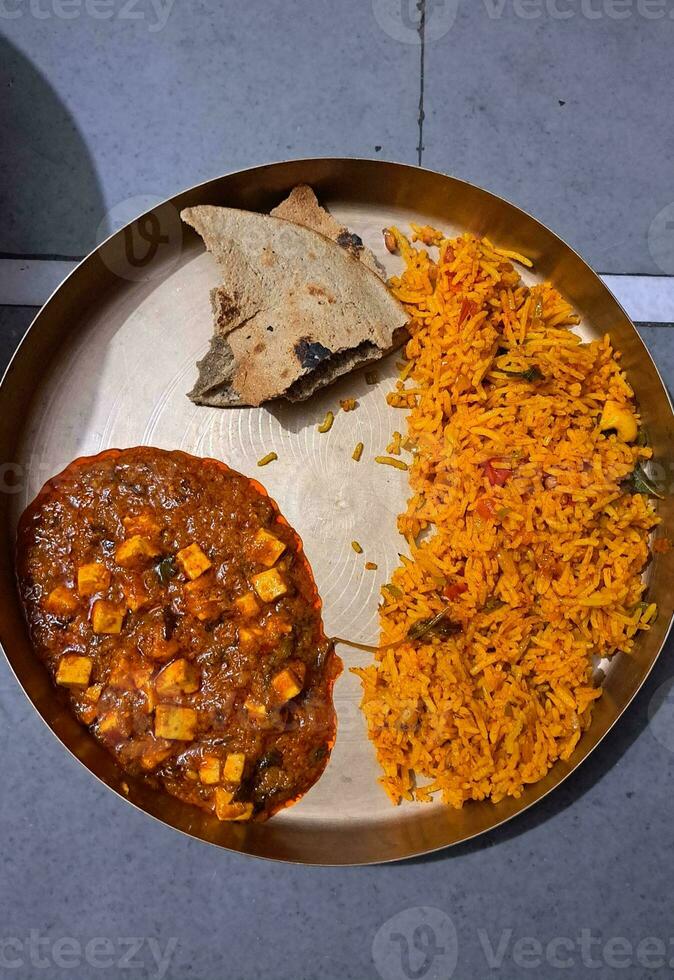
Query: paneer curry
pixel 175 609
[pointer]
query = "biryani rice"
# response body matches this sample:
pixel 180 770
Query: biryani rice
pixel 518 520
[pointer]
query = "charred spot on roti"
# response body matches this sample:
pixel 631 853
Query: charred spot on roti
pixel 310 353
pixel 349 240
pixel 331 368
pixel 302 208
pixel 225 308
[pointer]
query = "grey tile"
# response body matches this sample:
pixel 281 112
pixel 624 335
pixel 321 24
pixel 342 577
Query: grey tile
pixel 99 111
pixel 595 168
pixel 49 189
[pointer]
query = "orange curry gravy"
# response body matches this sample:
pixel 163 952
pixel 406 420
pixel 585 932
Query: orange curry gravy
pixel 174 605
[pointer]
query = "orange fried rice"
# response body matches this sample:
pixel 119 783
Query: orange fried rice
pixel 519 524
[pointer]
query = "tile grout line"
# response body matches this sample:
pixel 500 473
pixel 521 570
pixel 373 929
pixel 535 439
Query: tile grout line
pixel 421 6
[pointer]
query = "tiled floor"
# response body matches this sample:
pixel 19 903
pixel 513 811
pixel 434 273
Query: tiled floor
pixel 565 117
pixel 93 114
pixel 220 87
pixel 569 118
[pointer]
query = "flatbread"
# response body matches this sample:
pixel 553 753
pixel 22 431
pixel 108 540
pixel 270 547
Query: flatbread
pixel 301 206
pixel 296 310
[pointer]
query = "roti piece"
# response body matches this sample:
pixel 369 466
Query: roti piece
pixel 301 206
pixel 295 311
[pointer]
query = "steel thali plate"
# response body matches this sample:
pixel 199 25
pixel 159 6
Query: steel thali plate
pixel 107 363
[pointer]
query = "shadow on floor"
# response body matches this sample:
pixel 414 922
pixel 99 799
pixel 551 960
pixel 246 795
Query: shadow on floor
pixel 50 195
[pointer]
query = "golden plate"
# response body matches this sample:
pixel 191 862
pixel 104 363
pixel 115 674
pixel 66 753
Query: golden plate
pixel 107 363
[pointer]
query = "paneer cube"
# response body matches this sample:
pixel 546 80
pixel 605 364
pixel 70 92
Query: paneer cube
pixel 112 723
pixel 150 696
pixel 193 561
pixel 223 797
pixel 204 599
pixel 234 811
pixel 74 670
pixel 249 639
pixel 277 628
pixel 269 585
pixel 92 578
pixel 136 552
pixel 107 617
pixel 155 646
pixel 87 713
pixel 247 605
pixel 178 677
pixel 135 593
pixel 145 524
pixel 209 770
pixel 140 676
pixel 154 754
pixel 267 548
pixel 233 768
pixel 175 723
pixel 226 810
pixel 286 684
pixel 128 670
pixel 255 709
pixel 92 696
pixel 61 601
